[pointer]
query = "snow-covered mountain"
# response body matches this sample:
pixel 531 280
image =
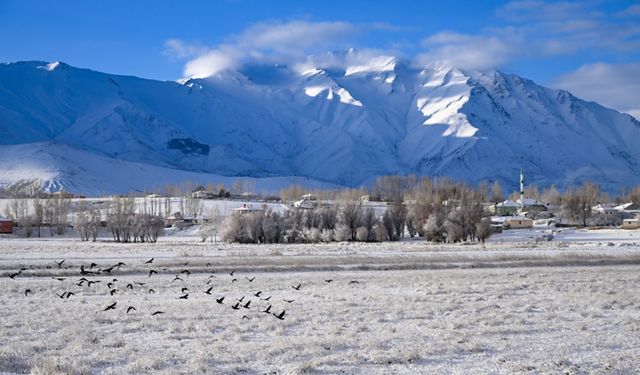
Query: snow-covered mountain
pixel 334 122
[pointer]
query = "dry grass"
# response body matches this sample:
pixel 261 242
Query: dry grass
pixel 496 310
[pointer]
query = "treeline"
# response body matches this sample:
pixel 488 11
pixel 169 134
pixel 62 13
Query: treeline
pixel 123 222
pixel 437 210
pixel 33 214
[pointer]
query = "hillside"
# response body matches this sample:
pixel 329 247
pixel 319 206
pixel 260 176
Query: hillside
pixel 342 124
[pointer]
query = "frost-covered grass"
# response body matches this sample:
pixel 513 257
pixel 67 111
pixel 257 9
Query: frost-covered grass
pixel 510 317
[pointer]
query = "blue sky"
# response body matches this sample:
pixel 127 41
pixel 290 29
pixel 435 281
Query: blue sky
pixel 591 48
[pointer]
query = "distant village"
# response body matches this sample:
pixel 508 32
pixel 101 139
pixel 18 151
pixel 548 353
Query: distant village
pixel 438 210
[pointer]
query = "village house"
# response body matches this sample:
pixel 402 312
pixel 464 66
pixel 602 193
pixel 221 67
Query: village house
pixel 605 209
pixel 6 225
pixel 506 208
pixel 518 222
pixel 630 224
pixel 203 194
pixel 307 202
pixel 246 209
pixel 629 209
pixel 532 205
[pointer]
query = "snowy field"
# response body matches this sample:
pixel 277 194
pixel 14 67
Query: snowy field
pixel 514 305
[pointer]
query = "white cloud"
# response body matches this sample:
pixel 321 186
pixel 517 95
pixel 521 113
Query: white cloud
pixel 212 61
pixel 177 48
pixel 266 41
pixel 615 86
pixel 536 28
pixel 470 51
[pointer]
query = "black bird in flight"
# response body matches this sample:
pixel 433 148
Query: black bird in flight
pixel 149 261
pixel 186 272
pixel 69 294
pixel 328 281
pixel 151 272
pixel 250 279
pixel 109 285
pixel 280 316
pixel 79 283
pixel 91 282
pixel 151 291
pixel 91 266
pixel 184 289
pixel 27 291
pixel 354 282
pixel 131 308
pixel 176 278
pixel 234 280
pixel 235 307
pixel 297 287
pixel 185 296
pixel 258 293
pixel 60 263
pixel 266 299
pixel 208 264
pixel 13 275
pixel 289 300
pixel 141 284
pixel 113 291
pixel 208 291
pixel 241 299
pixel 209 281
pixel 59 278
pixel 61 295
pixel 267 310
pixel 108 270
pixel 130 286
pixel 120 264
pixel 219 300
pixel 245 317
pixel 232 272
pixel 211 277
pixel 246 305
pixel 110 307
pixel 157 313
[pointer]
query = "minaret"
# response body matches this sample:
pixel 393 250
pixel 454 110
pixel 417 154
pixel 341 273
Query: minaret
pixel 521 190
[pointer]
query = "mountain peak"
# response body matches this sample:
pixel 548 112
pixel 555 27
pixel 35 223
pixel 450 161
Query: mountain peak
pixel 343 118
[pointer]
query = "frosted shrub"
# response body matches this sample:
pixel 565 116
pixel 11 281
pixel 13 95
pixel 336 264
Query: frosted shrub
pixel 233 229
pixel 433 230
pixel 311 235
pixel 380 232
pixel 292 235
pixel 362 234
pixel 327 235
pixel 342 233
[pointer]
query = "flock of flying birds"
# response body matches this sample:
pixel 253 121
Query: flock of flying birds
pixel 88 278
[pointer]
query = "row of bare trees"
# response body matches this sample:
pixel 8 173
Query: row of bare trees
pixel 353 221
pixel 36 213
pixel 126 225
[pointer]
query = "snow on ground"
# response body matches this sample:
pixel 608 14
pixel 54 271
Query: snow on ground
pixel 510 306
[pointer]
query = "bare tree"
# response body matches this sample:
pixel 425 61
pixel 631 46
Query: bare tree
pixel 210 228
pixel 58 207
pixel 579 203
pixel 351 216
pixel 483 229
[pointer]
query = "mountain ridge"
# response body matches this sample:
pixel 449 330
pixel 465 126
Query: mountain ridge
pixel 339 123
